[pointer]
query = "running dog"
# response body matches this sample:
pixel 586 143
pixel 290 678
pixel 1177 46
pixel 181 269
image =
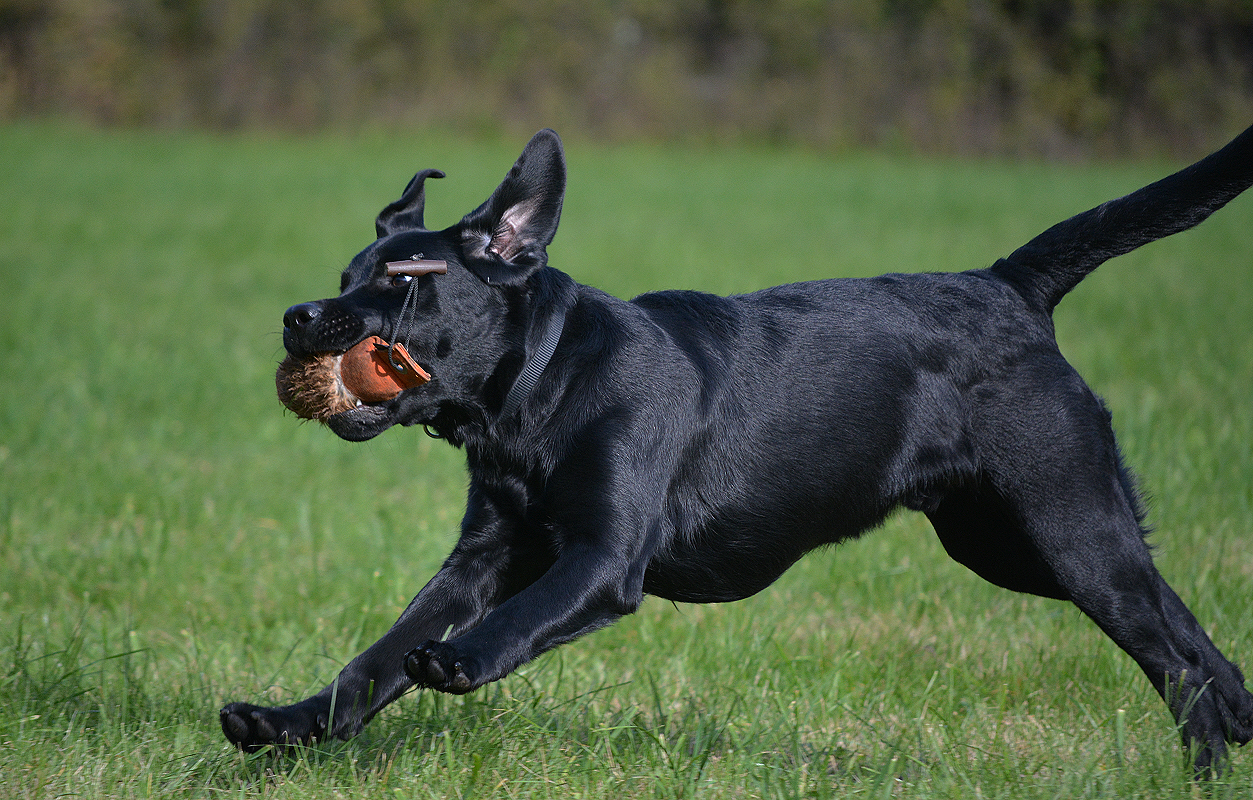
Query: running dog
pixel 693 447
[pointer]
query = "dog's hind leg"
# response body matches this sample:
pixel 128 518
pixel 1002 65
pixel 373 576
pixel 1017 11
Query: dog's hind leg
pixel 1059 475
pixel 1099 557
pixel 978 530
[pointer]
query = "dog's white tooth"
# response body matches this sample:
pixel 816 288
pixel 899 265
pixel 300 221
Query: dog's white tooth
pixel 360 404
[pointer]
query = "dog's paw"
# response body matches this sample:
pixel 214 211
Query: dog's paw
pixel 436 664
pixel 251 728
pixel 1219 713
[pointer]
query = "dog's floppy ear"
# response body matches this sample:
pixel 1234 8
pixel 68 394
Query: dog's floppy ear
pixel 406 213
pixel 506 237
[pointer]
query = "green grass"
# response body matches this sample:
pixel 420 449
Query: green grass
pixel 170 539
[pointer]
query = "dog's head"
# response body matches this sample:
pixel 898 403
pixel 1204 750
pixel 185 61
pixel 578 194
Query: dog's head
pixel 465 327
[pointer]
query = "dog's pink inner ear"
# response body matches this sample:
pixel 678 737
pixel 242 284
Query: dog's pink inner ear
pixel 508 240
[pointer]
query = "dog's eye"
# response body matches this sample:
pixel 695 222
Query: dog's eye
pixel 401 279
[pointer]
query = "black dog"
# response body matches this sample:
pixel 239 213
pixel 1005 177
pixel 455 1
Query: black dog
pixel 693 447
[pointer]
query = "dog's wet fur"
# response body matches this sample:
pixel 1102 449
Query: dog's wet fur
pixel 693 447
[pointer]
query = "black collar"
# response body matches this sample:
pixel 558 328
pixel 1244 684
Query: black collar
pixel 534 366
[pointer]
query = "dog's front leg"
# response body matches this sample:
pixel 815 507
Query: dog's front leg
pixel 473 579
pixel 588 587
pixel 369 682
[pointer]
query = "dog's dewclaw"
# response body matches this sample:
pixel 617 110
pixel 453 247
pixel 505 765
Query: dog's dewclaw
pixel 368 373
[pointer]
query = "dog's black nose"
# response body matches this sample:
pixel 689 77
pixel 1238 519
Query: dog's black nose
pixel 302 314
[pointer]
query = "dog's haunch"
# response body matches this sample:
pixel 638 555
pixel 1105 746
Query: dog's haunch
pixel 326 384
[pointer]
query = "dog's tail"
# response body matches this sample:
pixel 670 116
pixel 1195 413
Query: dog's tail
pixel 1053 263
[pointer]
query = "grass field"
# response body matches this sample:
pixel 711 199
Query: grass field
pixel 170 539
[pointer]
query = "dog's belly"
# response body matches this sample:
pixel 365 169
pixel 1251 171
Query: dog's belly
pixel 719 572
pixel 744 550
pixel 708 576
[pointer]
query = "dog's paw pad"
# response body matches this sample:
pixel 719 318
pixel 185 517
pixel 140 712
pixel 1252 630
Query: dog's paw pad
pixel 246 727
pixel 417 666
pixel 253 728
pixel 422 664
pixel 264 729
pixel 460 682
pixel 436 665
pixel 234 726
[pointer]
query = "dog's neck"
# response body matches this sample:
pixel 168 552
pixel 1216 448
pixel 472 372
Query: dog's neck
pixel 535 364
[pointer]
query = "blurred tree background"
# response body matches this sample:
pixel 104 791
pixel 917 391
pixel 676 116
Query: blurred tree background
pixel 1051 78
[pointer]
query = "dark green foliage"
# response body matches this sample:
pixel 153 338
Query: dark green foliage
pixel 1061 78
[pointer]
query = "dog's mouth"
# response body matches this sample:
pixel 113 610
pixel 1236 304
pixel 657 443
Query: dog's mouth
pixel 357 381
